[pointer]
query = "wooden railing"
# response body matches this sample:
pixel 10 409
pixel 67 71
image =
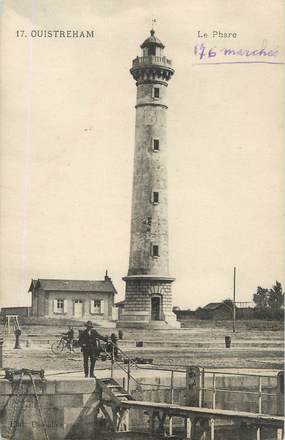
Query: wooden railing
pixel 191 415
pixel 162 412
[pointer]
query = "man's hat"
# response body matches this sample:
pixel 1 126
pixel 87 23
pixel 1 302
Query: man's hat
pixel 89 324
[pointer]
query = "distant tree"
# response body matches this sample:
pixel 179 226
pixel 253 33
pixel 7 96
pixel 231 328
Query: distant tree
pixel 261 298
pixel 276 297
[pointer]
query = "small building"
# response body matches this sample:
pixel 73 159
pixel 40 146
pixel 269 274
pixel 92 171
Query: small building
pixel 184 315
pixel 77 299
pixel 19 311
pixel 120 305
pixel 217 311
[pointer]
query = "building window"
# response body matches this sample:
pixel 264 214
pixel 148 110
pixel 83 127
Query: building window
pixel 148 224
pixel 97 306
pixel 156 92
pixel 155 197
pixel 59 306
pixel 59 303
pixel 155 144
pixel 155 250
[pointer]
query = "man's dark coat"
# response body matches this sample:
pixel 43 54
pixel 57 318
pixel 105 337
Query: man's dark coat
pixel 91 343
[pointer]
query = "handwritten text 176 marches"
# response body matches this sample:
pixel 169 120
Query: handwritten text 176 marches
pixel 203 52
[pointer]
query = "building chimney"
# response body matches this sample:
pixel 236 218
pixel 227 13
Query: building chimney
pixel 107 278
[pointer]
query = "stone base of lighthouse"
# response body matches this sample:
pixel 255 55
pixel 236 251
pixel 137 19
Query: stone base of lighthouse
pixel 148 303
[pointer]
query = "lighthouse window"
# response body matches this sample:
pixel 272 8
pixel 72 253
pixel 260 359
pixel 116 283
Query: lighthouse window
pixel 151 50
pixel 155 250
pixel 155 145
pixel 155 197
pixel 156 92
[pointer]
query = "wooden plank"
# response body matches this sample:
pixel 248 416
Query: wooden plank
pixel 184 411
pixel 121 395
pixel 114 391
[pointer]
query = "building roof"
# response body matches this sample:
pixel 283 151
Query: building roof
pixel 152 41
pixel 213 306
pixel 120 303
pixel 105 286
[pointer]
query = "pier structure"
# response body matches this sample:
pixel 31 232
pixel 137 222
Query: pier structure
pixel 136 398
pixel 116 403
pixel 64 405
pixel 199 423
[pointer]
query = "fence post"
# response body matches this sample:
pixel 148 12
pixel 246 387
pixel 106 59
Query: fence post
pixel 212 423
pixel 280 393
pixel 188 427
pixel 172 387
pixel 17 338
pixel 171 400
pixel 260 395
pixel 152 422
pixel 1 352
pixel 203 388
pixel 258 433
pixel 128 376
pixel 112 362
pixel 214 392
pixel 192 386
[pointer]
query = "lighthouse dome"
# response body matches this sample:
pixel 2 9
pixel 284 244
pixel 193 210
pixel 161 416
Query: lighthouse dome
pixel 152 41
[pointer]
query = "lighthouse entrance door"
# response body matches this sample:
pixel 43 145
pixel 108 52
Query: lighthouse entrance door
pixel 155 308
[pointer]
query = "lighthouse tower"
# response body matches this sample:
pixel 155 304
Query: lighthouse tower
pixel 148 301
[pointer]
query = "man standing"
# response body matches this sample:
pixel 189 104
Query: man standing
pixel 90 347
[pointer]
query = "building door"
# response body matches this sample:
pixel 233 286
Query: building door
pixel 155 308
pixel 78 308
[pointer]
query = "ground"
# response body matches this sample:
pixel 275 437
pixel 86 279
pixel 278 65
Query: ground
pixel 253 345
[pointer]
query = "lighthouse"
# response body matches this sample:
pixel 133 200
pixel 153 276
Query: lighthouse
pixel 148 300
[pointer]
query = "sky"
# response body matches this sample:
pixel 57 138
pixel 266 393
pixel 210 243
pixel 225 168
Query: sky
pixel 67 144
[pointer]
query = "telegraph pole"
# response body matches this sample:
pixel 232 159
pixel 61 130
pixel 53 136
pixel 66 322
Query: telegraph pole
pixel 234 302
